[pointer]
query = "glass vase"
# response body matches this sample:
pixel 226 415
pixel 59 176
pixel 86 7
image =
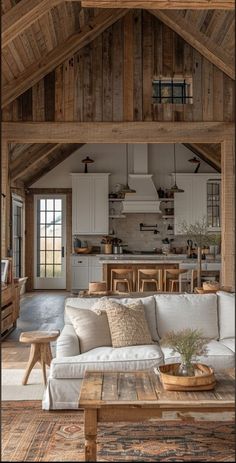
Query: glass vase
pixel 185 369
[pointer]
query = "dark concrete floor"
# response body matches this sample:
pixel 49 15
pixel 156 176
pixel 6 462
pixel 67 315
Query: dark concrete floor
pixel 40 310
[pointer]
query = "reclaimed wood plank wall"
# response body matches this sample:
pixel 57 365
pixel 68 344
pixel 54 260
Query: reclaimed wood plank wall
pixel 111 80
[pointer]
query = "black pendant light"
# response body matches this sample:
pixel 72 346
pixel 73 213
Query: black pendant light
pixel 175 188
pixel 195 161
pixel 127 189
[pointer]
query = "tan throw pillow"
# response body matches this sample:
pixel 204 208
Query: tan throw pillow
pixel 91 328
pixel 128 324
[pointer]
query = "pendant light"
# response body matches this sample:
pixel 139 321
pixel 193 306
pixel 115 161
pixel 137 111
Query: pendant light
pixel 175 188
pixel 195 161
pixel 127 189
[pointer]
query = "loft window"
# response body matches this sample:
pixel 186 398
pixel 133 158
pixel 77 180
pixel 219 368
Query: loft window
pixel 17 237
pixel 173 91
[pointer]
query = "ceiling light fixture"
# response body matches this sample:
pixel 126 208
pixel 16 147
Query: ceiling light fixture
pixel 196 161
pixel 127 189
pixel 175 188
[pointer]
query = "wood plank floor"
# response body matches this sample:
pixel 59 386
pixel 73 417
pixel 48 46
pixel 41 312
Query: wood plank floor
pixel 39 310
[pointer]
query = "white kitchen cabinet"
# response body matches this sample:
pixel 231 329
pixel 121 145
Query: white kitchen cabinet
pixel 191 206
pixel 90 204
pixel 84 270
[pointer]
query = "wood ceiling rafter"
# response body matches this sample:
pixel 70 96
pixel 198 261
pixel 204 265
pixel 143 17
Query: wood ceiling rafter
pixel 62 152
pixel 22 15
pixel 162 4
pixel 30 158
pixel 58 55
pixel 211 154
pixel 203 44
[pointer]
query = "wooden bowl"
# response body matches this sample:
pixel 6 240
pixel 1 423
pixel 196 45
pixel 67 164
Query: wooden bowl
pixel 203 380
pixel 83 250
pixel 211 285
pixel 97 286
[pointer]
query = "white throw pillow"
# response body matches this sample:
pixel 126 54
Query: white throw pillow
pixel 195 311
pixel 226 310
pixel 92 328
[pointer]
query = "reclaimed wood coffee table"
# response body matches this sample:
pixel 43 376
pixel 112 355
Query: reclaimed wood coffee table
pixel 139 396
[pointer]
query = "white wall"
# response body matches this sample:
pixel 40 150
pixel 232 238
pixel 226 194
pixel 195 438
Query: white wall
pixel 111 158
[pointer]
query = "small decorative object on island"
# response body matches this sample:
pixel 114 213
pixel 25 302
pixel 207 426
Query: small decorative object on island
pixel 108 243
pixel 188 343
pixel 87 161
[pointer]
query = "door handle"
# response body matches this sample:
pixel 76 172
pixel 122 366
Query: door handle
pixel 62 251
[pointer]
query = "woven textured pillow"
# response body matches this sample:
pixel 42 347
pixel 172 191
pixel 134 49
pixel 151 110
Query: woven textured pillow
pixel 91 328
pixel 128 324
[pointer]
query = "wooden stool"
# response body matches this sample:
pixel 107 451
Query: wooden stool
pixel 154 277
pixel 40 350
pixel 123 273
pixel 173 282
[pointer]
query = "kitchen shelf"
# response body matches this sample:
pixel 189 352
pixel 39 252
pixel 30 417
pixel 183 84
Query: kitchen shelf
pixel 117 216
pixel 168 217
pixel 166 200
pixel 113 200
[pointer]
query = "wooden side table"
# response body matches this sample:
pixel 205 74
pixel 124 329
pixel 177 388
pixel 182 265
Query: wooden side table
pixel 40 350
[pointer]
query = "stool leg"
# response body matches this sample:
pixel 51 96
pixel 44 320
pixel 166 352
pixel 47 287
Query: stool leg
pixel 172 286
pixel 157 285
pixel 42 361
pixel 33 359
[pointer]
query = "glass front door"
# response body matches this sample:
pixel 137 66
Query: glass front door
pixel 50 239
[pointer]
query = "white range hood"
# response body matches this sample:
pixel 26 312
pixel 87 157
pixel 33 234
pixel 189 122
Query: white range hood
pixel 146 199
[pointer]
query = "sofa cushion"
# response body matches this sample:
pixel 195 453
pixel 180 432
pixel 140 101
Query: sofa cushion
pixel 107 359
pixel 229 342
pixel 128 325
pixel 226 313
pixel 180 311
pixel 218 356
pixel 148 302
pixel 91 328
pixel 67 343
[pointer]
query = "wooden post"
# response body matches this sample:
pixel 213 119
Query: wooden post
pixel 5 200
pixel 227 214
pixel 90 434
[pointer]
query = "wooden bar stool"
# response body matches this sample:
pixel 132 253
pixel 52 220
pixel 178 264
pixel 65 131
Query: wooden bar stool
pixel 40 350
pixel 125 276
pixel 154 276
pixel 174 281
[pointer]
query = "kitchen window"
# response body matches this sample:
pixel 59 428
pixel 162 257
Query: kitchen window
pixel 17 237
pixel 213 204
pixel 172 90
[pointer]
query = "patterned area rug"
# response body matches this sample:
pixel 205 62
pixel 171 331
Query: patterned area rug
pixel 31 434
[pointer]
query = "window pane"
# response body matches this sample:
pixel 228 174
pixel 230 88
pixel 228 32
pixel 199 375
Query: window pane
pixel 57 217
pixel 42 230
pixel 42 243
pixel 42 217
pixel 49 244
pixel 58 205
pixel 49 271
pixel 165 91
pixel 57 230
pixel 49 217
pixel 42 271
pixel 57 270
pixel 42 204
pixel 49 257
pixel 50 230
pixel 57 244
pixel 57 257
pixel 50 204
pixel 42 257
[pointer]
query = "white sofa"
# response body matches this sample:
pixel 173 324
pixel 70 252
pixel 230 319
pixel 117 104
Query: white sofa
pixel 214 314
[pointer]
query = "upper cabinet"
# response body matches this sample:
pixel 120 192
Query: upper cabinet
pixel 90 204
pixel 200 200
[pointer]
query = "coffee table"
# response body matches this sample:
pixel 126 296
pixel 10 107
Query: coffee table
pixel 139 396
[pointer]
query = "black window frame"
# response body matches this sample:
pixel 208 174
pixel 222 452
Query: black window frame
pixel 158 97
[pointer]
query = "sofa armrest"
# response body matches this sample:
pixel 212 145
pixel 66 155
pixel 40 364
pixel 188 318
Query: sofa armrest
pixel 67 343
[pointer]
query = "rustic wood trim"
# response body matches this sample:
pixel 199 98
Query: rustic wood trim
pixel 58 55
pixel 63 153
pixel 30 160
pixel 197 40
pixel 228 214
pixel 161 4
pixel 5 198
pixel 128 85
pixel 117 132
pixel 22 15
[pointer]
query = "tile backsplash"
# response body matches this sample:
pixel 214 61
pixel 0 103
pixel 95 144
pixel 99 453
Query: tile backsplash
pixel 128 230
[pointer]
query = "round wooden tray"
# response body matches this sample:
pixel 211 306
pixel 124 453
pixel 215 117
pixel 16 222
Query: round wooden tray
pixel 203 380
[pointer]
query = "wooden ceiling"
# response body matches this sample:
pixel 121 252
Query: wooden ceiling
pixel 38 35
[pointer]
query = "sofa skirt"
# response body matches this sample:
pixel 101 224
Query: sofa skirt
pixel 61 394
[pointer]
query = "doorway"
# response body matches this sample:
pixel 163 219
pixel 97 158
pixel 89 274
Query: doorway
pixel 50 242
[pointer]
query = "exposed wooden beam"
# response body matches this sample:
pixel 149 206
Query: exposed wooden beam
pixel 62 152
pixel 204 155
pixel 22 15
pixel 203 44
pixel 30 159
pixel 117 132
pixel 162 4
pixel 58 55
